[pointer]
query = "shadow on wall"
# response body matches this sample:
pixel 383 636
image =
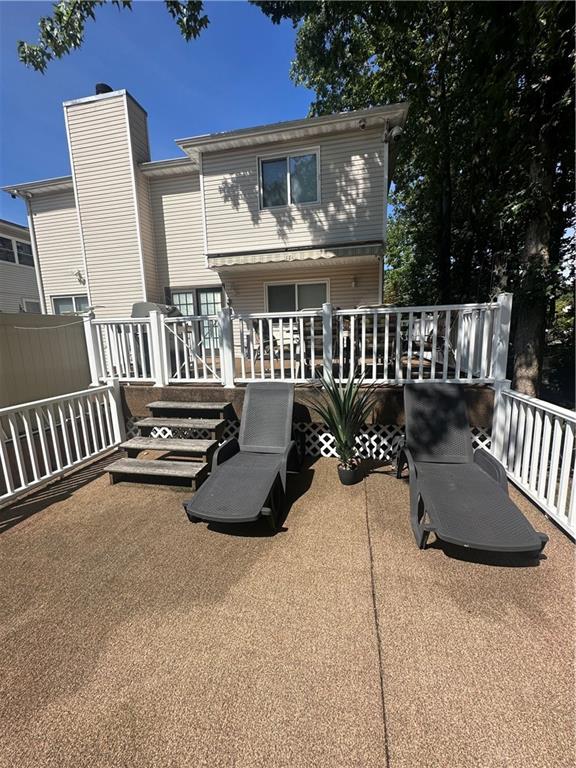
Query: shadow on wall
pixel 347 206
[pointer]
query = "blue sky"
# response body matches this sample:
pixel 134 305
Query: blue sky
pixel 234 75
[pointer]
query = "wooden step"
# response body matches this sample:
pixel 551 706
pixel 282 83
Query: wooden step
pixel 171 407
pixel 216 426
pixel 179 445
pixel 188 473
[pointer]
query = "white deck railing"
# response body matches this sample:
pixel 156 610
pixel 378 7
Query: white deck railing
pixel 466 342
pixel 535 442
pixel 41 440
pixel 460 342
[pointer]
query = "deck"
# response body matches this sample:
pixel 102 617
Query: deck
pixel 131 637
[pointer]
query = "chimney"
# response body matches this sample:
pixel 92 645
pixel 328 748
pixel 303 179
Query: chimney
pixel 102 88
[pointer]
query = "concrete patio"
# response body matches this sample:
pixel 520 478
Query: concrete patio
pixel 132 638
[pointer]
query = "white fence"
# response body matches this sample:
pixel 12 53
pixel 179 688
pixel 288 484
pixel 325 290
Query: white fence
pixel 41 440
pixel 534 440
pixel 461 342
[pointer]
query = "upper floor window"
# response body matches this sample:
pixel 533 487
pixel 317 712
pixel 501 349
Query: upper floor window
pixel 24 251
pixel 289 179
pixel 7 250
pixel 68 305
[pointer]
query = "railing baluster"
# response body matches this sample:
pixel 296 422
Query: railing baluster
pixel 105 404
pixel 398 351
pixel 341 347
pixel 434 355
pixel 409 352
pixel 271 346
pixel 54 436
pixel 484 355
pixel 39 413
pixel 566 473
pixel 302 342
pixel 422 333
pixel 352 364
pixel 82 411
pixel 64 433
pixel 15 435
pixel 363 347
pixel 72 414
pixel 312 347
pixel 526 454
pixel 535 458
pixel 93 433
pixel 554 463
pixel 30 444
pixel 471 343
pixel 459 343
pixel 543 474
pixel 446 353
pixel 520 435
pixel 375 347
pixel 5 461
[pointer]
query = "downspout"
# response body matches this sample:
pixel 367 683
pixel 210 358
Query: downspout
pixel 385 167
pixel 39 283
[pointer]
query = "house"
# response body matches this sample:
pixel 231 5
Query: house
pixel 18 286
pixel 271 218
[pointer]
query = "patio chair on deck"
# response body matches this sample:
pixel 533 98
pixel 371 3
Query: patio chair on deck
pixel 457 493
pixel 248 477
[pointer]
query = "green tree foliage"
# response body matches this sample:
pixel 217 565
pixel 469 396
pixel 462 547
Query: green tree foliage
pixel 63 32
pixel 485 176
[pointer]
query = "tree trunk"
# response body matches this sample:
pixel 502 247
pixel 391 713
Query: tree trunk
pixel 532 297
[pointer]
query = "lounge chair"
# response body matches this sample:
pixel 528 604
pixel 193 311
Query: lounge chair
pixel 457 493
pixel 248 477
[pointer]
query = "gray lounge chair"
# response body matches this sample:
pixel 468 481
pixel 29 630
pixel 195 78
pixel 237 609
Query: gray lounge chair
pixel 248 477
pixel 457 493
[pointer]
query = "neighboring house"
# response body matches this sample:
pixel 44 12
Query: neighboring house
pixel 18 285
pixel 278 217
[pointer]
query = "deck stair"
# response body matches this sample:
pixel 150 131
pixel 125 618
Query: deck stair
pixel 182 460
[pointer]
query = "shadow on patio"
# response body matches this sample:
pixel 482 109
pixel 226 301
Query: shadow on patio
pixel 133 637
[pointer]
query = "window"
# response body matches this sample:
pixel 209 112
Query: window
pixel 290 297
pixel 24 251
pixel 31 305
pixel 184 301
pixel 67 305
pixel 7 250
pixel 289 179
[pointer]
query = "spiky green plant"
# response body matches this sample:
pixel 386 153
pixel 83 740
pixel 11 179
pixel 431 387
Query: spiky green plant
pixel 344 409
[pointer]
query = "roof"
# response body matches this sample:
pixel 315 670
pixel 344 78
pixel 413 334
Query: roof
pixel 57 184
pixel 394 114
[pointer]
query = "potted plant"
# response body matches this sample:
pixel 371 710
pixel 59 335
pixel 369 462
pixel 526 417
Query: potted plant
pixel 344 409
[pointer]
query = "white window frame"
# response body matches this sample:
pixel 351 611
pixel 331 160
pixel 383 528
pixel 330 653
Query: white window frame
pixel 36 301
pixel 286 156
pixel 72 296
pixel 16 261
pixel 296 283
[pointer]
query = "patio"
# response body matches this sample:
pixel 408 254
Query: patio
pixel 131 637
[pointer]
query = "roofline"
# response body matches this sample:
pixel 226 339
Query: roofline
pixel 173 162
pixel 30 186
pixel 400 109
pixel 102 97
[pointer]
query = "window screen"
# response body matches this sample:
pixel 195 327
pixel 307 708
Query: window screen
pixel 311 295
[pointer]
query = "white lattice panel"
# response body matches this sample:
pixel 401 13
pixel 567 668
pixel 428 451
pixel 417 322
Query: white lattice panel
pixel 377 441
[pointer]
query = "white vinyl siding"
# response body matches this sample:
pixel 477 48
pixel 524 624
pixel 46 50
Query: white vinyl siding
pixel 16 284
pixel 58 241
pixel 177 217
pixel 103 174
pixel 350 207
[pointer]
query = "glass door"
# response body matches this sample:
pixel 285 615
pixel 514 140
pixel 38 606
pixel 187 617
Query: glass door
pixel 210 303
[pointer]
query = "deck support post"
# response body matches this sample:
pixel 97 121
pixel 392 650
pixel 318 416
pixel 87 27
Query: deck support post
pixel 158 351
pixel 227 348
pixel 90 333
pixel 499 419
pixel 116 410
pixel 327 339
pixel 501 337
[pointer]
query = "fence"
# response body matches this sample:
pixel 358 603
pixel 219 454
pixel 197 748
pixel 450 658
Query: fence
pixel 41 356
pixel 465 342
pixel 41 440
pixel 534 440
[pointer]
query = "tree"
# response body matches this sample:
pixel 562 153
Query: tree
pixel 486 173
pixel 63 32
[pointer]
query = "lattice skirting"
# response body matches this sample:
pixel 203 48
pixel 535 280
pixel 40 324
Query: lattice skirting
pixel 377 441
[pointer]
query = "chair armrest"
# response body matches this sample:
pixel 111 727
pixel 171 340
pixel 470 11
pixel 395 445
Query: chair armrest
pixel 490 464
pixel 225 451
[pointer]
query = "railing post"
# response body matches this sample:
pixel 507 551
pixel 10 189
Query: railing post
pixel 499 419
pixel 157 348
pixel 91 335
pixel 227 348
pixel 501 337
pixel 327 339
pixel 116 410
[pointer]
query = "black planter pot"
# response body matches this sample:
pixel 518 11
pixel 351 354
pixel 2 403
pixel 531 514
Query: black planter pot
pixel 349 476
